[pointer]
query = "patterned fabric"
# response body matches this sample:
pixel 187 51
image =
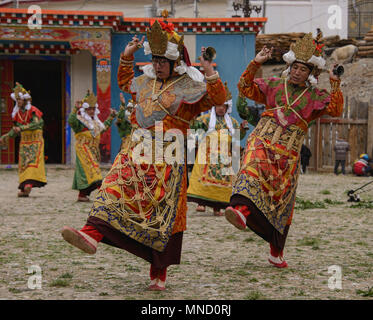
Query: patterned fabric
pixel 147 202
pixel 87 164
pixel 183 90
pixel 31 156
pixel 270 167
pixel 25 118
pixel 140 200
pixel 252 89
pixel 87 170
pixel 274 90
pixel 31 166
pixel 210 181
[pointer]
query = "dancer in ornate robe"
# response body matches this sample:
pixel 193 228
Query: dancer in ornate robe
pixel 210 183
pixel 141 206
pixel 264 193
pixel 87 128
pixel 28 123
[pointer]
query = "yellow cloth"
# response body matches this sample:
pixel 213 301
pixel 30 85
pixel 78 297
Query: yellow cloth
pixel 88 153
pixel 208 180
pixel 31 156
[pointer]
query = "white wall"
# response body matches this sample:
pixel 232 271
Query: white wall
pixel 283 16
pixel 305 16
pixel 81 81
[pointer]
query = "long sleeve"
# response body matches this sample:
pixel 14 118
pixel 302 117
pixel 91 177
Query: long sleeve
pixel 124 126
pixel 11 134
pixel 74 123
pixel 335 106
pixel 108 122
pixel 247 87
pixel 215 95
pixel 126 74
pixel 251 114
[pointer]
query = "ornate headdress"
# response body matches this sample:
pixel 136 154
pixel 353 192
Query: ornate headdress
pixel 89 100
pixel 163 41
pixel 20 92
pixel 308 51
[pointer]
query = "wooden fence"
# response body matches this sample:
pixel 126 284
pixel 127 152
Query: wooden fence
pixel 355 126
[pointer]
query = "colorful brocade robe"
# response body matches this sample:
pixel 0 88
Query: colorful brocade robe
pixel 31 162
pixel 146 200
pixel 269 170
pixel 87 165
pixel 210 182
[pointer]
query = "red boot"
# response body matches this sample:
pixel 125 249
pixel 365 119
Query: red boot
pixel 82 197
pixel 276 257
pixel 158 278
pixel 86 239
pixel 237 216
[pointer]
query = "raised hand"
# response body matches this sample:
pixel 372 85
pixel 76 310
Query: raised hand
pixel 205 64
pixel 332 75
pixel 78 105
pixel 264 55
pixel 113 113
pixel 133 46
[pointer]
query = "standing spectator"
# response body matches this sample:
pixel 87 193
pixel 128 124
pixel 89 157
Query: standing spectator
pixel 341 148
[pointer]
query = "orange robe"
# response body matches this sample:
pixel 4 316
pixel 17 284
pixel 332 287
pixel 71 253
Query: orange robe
pixel 148 202
pixel 267 180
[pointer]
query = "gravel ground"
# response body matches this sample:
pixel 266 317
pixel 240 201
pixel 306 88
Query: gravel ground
pixel 218 261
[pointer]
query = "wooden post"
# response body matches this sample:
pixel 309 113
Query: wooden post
pixel 316 147
pixel 370 129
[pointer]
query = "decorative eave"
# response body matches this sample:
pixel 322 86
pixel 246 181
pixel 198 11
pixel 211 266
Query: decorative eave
pixel 117 22
pixel 37 48
pixel 198 25
pixel 62 18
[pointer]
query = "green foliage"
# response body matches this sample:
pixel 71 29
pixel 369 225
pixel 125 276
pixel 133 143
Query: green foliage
pixel 311 242
pixel 308 204
pixel 255 295
pixel 362 205
pixel 365 293
pixel 332 202
pixel 325 192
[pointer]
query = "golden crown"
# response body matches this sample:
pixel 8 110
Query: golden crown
pixel 304 48
pixel 91 99
pixel 157 39
pixel 19 89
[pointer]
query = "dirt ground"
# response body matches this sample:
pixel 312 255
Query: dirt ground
pixel 218 261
